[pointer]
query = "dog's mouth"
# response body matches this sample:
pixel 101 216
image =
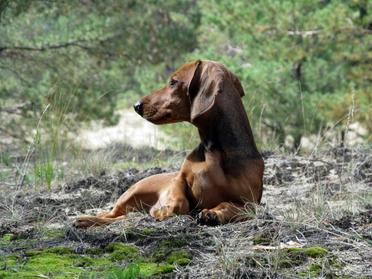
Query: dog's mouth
pixel 159 117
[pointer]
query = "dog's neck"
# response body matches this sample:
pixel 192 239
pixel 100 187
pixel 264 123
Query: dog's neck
pixel 229 132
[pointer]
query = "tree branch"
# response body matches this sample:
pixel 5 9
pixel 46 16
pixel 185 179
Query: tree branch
pixel 304 33
pixel 76 43
pixel 310 33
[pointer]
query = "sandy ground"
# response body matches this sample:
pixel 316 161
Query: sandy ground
pixel 131 129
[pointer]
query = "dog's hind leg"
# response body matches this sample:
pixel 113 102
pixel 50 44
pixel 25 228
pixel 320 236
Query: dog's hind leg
pixel 139 197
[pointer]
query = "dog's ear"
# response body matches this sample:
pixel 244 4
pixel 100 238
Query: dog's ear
pixel 238 86
pixel 204 86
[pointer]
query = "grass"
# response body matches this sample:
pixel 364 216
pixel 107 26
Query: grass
pixel 305 219
pixel 6 158
pixel 44 173
pixel 261 245
pixel 93 163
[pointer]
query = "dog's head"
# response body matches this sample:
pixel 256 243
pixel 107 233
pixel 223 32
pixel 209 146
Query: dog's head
pixel 189 94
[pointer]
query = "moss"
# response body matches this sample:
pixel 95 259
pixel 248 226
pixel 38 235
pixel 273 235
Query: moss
pixel 325 269
pixel 17 243
pixel 85 262
pixel 336 263
pixel 260 239
pixel 150 269
pixel 133 234
pixel 180 257
pixel 165 247
pixel 287 263
pixel 120 251
pixel 8 262
pixel 32 253
pixel 51 265
pixel 7 241
pixel 297 256
pixel 55 262
pixel 60 250
pixel 139 270
pixel 94 251
pixel 64 262
pixel 148 231
pixel 315 269
pixel 7 237
pixel 286 258
pixel 313 252
pixel 130 272
pixel 48 233
pixel 322 265
pixel 179 242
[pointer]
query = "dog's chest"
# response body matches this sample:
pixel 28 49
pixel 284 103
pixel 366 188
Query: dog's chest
pixel 201 185
pixel 200 180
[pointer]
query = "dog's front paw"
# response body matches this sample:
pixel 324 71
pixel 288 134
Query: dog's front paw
pixel 208 217
pixel 163 213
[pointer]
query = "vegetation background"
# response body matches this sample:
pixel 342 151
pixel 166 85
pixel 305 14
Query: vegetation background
pixel 306 69
pixel 305 65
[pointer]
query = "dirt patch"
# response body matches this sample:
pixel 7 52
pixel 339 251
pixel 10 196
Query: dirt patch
pixel 131 129
pixel 314 221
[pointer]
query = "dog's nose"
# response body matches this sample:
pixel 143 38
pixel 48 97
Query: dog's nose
pixel 138 107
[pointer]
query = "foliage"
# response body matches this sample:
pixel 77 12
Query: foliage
pixel 301 62
pixel 304 65
pixel 91 53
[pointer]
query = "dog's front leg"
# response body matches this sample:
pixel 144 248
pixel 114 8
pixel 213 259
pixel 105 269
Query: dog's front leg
pixel 223 213
pixel 172 200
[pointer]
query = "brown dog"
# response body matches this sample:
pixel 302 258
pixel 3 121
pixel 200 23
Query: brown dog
pixel 222 174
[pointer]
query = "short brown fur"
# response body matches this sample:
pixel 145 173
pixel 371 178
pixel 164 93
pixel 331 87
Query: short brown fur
pixel 219 176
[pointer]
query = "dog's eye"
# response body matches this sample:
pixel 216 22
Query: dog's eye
pixel 173 82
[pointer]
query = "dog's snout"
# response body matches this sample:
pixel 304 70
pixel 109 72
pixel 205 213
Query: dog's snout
pixel 138 107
